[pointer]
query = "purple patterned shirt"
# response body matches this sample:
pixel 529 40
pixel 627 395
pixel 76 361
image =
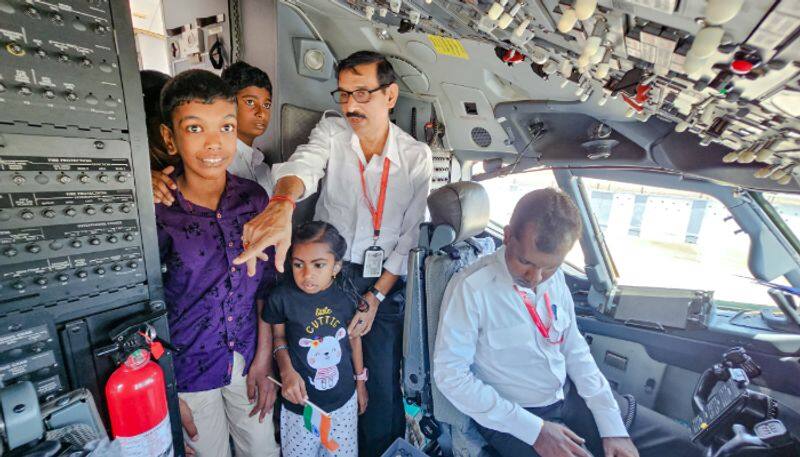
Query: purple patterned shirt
pixel 211 303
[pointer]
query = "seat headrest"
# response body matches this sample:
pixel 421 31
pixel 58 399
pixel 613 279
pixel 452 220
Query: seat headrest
pixel 463 205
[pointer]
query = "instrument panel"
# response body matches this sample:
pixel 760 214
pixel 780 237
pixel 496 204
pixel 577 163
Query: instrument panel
pixel 725 70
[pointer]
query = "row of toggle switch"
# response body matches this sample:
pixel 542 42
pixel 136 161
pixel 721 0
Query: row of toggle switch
pixel 63 277
pixel 50 213
pixel 17 50
pixel 65 178
pixel 57 245
pixel 54 17
pixel 69 95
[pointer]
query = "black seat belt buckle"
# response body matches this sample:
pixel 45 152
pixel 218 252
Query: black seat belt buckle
pixel 430 428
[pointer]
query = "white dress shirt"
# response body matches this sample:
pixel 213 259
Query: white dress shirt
pixel 333 151
pixel 248 163
pixel 490 360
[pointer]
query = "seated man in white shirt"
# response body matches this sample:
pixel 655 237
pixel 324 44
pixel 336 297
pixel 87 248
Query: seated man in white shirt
pixel 253 107
pixel 503 353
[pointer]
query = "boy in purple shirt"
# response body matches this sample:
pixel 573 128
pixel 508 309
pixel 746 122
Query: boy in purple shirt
pixel 211 303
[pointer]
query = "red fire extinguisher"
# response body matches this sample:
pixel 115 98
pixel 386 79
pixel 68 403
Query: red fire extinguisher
pixel 137 402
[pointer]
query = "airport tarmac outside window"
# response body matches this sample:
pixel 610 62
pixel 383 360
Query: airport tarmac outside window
pixel 661 237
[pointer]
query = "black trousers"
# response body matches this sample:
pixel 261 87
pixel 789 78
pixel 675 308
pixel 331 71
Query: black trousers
pixel 654 434
pixel 384 419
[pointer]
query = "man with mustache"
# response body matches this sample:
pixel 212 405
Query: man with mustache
pixel 503 353
pixel 376 181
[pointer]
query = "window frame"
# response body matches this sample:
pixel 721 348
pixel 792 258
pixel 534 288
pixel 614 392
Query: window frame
pixel 772 213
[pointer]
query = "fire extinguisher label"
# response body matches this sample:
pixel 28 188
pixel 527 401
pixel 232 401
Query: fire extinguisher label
pixel 156 442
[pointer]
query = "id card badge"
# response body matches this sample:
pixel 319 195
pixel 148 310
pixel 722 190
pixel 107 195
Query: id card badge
pixel 373 262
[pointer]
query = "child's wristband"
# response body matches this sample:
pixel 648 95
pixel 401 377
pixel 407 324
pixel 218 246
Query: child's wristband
pixel 363 376
pixel 275 351
pixel 283 198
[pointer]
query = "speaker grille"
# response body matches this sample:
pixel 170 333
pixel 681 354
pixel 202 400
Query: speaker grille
pixel 481 137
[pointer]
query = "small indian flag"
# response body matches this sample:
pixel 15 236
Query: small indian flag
pixel 319 423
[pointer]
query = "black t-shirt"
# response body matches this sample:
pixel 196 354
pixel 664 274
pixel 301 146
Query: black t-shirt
pixel 319 347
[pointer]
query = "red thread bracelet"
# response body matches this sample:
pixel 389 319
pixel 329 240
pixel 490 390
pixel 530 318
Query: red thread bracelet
pixel 283 198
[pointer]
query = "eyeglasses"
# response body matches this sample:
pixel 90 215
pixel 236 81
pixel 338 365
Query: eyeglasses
pixel 360 95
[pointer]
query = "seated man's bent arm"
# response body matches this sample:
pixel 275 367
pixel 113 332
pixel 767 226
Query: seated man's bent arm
pixel 454 353
pixel 592 385
pixel 308 162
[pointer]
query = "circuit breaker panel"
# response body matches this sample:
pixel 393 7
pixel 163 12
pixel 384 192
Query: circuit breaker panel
pixel 78 249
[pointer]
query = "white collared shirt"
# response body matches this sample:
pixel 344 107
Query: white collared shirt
pixel 248 163
pixel 333 152
pixel 490 360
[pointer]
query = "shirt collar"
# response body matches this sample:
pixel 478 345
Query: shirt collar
pixel 243 148
pixel 248 153
pixel 224 201
pixel 389 149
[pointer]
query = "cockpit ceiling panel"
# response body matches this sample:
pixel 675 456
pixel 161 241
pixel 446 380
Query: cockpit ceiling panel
pixel 725 70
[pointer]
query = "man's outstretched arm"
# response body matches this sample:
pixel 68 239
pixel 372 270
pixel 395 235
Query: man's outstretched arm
pixel 295 179
pixel 273 227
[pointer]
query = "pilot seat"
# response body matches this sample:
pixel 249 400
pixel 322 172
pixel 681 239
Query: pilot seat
pixel 459 212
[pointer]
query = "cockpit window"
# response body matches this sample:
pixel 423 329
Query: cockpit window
pixel 661 237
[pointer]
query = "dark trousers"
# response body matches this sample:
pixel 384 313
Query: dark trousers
pixel 654 435
pixel 384 419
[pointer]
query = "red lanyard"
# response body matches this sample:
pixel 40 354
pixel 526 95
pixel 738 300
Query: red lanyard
pixel 537 321
pixel 377 213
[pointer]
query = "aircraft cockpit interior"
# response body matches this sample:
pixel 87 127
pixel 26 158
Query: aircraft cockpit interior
pixel 527 227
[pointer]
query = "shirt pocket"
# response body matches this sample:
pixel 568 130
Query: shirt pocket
pixel 559 328
pixel 510 346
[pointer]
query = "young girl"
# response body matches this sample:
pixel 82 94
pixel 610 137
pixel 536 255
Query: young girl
pixel 317 361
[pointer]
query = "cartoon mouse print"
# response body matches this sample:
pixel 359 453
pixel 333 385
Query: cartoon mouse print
pixel 324 355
